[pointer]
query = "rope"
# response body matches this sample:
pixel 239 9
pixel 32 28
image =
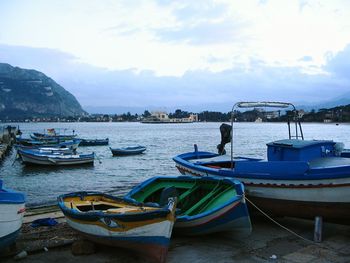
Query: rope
pixel 285 228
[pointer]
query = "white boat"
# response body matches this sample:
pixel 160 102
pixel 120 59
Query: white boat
pixel 12 207
pixel 32 157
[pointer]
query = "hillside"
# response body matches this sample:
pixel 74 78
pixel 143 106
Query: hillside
pixel 28 93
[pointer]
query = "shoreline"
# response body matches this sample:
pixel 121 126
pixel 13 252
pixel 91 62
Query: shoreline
pixel 267 243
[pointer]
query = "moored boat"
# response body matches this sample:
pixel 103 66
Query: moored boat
pixel 94 142
pixel 12 207
pixel 29 144
pixel 114 221
pixel 52 135
pixel 300 178
pixel 52 159
pixel 205 205
pixel 130 150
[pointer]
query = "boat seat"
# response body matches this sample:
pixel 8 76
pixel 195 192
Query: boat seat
pixel 206 198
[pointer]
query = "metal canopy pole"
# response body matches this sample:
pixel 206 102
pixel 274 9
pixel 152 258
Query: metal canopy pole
pixel 270 104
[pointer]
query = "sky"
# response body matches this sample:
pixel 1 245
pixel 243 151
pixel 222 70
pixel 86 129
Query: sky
pixel 159 53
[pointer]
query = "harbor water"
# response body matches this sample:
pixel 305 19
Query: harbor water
pixel 117 175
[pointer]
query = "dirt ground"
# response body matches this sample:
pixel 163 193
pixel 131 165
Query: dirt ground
pixel 267 243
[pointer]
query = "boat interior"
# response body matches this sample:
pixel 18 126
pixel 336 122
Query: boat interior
pixel 95 203
pixel 193 198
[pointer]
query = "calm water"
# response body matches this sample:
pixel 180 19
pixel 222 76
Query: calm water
pixel 117 175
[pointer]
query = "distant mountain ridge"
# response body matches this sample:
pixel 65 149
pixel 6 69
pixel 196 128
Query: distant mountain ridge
pixel 27 93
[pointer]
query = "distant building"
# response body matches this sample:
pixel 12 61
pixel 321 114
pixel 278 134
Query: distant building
pixel 163 117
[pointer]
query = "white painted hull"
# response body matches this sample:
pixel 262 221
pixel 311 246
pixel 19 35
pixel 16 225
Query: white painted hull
pixel 326 190
pixel 41 160
pixel 11 218
pixel 160 229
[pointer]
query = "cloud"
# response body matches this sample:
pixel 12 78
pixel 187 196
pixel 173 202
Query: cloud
pixel 338 64
pixel 200 89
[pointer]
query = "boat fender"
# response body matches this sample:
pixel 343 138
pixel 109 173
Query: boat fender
pixel 166 194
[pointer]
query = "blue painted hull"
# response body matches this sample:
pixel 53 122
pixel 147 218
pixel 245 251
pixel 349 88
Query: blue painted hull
pixel 301 189
pixel 8 240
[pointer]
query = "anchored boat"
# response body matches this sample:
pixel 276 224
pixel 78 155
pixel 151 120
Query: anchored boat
pixel 299 178
pixel 12 207
pixel 131 150
pixel 54 158
pixel 116 222
pixel 205 205
pixel 94 142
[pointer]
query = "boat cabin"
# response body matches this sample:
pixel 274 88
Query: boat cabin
pixel 299 150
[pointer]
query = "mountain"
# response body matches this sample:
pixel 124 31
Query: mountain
pixel 26 93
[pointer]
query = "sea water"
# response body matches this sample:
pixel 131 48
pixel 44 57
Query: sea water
pixel 117 175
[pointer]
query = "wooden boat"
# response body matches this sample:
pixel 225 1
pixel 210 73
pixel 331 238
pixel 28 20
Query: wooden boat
pixel 29 144
pixel 116 222
pixel 52 136
pixel 47 150
pixel 205 205
pixel 56 159
pixel 300 178
pixel 94 142
pixel 131 150
pixel 12 207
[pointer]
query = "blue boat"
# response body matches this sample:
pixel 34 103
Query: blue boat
pixel 12 207
pixel 94 142
pixel 205 205
pixel 300 178
pixel 131 150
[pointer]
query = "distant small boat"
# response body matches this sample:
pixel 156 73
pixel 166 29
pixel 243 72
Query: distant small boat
pixel 115 222
pixel 94 142
pixel 32 157
pixel 12 207
pixel 131 150
pixel 205 205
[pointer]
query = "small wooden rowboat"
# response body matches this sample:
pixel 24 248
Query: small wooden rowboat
pixel 205 205
pixel 116 222
pixel 131 150
pixel 28 143
pixel 12 210
pixel 58 159
pixel 48 137
pixel 94 142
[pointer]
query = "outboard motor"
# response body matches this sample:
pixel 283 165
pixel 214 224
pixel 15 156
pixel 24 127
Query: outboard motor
pixel 225 131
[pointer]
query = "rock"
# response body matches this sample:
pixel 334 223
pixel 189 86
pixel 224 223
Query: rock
pixel 21 255
pixel 83 247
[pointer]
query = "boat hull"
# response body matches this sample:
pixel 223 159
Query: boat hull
pixel 125 152
pixel 11 218
pixel 53 161
pixel 149 241
pixel 234 217
pixel 329 197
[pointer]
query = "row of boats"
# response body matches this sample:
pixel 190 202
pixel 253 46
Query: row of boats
pixel 61 150
pixel 299 178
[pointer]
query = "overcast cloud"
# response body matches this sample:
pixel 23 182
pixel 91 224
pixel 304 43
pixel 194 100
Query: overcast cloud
pixel 180 53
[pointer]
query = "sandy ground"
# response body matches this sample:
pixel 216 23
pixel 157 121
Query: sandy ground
pixel 266 241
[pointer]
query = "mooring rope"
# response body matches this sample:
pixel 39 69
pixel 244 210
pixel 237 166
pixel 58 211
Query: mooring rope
pixel 280 225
